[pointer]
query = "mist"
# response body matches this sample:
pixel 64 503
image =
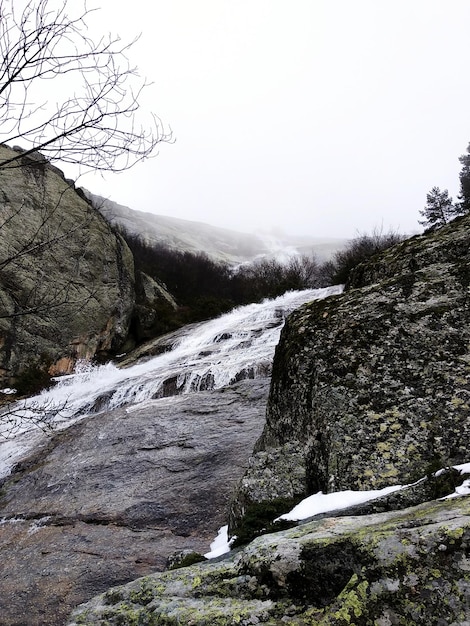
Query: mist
pixel 310 118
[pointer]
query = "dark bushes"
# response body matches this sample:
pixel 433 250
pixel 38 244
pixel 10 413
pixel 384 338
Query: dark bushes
pixel 188 277
pixel 259 519
pixel 269 278
pixel 34 378
pixel 359 249
pixel 205 288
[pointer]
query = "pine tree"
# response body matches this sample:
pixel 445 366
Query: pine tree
pixel 464 195
pixel 439 209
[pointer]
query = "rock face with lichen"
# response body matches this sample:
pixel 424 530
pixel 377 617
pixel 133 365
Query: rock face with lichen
pixel 407 567
pixel 67 280
pixel 372 387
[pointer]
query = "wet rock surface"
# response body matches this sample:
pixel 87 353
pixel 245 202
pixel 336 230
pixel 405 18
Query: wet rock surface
pixel 110 498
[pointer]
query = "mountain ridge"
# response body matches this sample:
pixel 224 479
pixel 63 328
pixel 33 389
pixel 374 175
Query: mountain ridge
pixel 220 243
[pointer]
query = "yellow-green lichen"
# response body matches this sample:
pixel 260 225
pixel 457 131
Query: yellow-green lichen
pixel 455 534
pixel 457 402
pixel 390 472
pixel 352 600
pixel 196 582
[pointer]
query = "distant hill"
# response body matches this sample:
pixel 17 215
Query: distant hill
pixel 219 243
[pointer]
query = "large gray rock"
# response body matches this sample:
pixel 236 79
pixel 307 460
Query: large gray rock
pixel 407 567
pixel 372 387
pixel 113 496
pixel 154 309
pixel 66 281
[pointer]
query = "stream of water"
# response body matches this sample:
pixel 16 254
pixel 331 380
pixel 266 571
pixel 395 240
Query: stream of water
pixel 237 345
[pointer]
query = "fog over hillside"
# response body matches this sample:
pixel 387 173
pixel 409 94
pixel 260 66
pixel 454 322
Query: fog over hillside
pixel 219 243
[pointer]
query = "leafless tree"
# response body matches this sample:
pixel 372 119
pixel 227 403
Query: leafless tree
pixel 95 123
pixel 44 46
pixel 302 271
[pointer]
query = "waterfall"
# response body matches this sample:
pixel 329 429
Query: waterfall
pixel 217 353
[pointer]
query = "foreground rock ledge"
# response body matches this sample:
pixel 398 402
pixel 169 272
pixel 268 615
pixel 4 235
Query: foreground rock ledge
pixel 407 567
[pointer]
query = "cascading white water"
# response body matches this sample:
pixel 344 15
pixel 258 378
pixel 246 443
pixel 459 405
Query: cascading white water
pixel 237 345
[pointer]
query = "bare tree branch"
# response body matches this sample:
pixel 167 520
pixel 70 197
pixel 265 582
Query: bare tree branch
pixel 92 118
pixel 18 416
pixel 97 127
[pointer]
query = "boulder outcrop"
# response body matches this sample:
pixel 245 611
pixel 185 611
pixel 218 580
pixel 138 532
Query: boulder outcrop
pixel 372 388
pixel 406 567
pixel 67 280
pixel 154 306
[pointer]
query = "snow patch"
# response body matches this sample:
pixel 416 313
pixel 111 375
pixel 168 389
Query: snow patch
pixel 221 544
pixel 324 502
pixel 464 468
pixel 462 490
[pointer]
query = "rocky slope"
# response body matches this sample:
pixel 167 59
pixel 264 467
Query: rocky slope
pixel 113 496
pixel 370 388
pixel 67 280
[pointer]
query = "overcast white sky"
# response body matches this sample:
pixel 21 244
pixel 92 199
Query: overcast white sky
pixel 318 117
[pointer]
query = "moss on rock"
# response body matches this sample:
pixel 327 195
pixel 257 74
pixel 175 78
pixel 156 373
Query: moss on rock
pixel 405 567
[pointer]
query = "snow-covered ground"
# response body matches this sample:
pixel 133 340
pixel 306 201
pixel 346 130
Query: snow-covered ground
pixel 220 545
pixel 324 502
pixel 464 488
